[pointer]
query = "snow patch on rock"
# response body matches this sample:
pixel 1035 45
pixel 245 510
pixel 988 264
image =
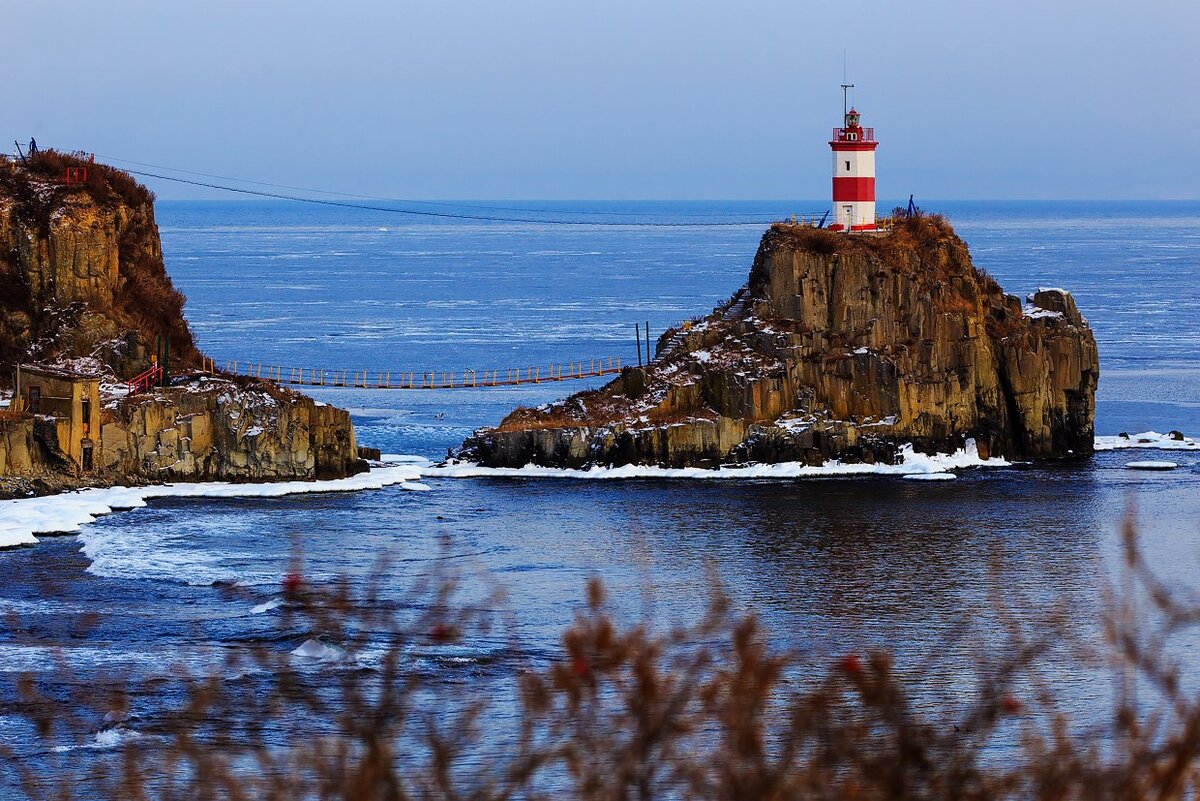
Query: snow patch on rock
pixel 1147 439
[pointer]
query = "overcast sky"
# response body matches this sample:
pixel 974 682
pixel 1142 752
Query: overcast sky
pixel 616 99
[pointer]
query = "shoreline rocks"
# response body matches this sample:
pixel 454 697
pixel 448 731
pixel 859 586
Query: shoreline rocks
pixel 839 347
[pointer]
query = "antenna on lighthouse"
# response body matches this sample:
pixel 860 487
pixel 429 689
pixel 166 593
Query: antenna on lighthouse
pixel 845 86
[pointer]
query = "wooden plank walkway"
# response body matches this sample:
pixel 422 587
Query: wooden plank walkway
pixel 429 379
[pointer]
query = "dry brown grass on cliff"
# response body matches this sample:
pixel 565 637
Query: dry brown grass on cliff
pixel 588 409
pixel 785 235
pixel 106 184
pixel 524 418
pixel 956 304
pixel 924 247
pixel 619 710
pixel 924 232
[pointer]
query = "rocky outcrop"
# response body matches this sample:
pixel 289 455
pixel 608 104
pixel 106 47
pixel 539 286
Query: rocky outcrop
pixel 81 266
pixel 210 429
pixel 82 280
pixel 839 347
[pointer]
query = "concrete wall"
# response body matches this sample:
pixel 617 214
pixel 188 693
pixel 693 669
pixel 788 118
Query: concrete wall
pixel 64 398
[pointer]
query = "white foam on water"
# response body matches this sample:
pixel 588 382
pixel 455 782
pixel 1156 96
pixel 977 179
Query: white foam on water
pixel 103 740
pixel 911 464
pixel 1147 439
pixel 67 512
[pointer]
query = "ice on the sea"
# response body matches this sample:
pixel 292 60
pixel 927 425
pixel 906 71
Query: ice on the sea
pixel 1147 439
pixel 318 651
pixel 21 519
pixel 911 463
pixel 1151 465
pixel 267 606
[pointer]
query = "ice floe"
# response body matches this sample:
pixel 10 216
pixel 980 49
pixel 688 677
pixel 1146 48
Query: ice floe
pixel 1147 439
pixel 65 513
pixel 1151 465
pixel 912 463
pixel 267 606
pixel 317 651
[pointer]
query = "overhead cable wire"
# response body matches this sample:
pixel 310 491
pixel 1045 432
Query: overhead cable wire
pixel 444 214
pixel 445 204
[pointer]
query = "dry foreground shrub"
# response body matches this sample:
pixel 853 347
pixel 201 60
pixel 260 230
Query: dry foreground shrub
pixel 623 711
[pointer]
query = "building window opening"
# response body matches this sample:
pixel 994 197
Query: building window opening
pixel 86 459
pixel 35 400
pixel 86 412
pixel 847 166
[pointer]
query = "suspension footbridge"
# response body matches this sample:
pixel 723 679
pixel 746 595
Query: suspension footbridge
pixel 423 379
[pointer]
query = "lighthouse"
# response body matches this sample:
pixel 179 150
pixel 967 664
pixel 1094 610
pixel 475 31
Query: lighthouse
pixel 853 173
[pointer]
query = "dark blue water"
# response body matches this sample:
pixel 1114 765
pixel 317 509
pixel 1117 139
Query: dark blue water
pixel 831 565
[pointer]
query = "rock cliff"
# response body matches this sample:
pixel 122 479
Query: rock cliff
pixel 83 288
pixel 211 429
pixel 81 268
pixel 839 347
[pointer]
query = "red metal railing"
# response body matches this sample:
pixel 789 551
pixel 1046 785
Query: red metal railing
pixel 864 134
pixel 145 379
pixel 74 175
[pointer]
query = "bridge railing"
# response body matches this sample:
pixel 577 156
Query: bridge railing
pixel 427 379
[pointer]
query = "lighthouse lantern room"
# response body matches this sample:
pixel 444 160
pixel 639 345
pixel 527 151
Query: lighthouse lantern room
pixel 853 173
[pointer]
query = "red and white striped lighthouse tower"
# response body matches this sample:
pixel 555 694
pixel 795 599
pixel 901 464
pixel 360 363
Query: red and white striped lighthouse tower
pixel 853 173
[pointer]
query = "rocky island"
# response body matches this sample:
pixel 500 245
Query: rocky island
pixel 840 347
pixel 86 304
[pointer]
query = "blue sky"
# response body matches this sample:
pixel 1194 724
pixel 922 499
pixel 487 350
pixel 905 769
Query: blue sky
pixel 623 100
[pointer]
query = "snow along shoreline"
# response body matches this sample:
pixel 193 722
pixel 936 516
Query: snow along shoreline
pixel 912 464
pixel 65 513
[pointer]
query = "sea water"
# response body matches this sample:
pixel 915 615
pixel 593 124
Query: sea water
pixel 830 565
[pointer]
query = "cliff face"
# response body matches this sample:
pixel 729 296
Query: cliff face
pixel 210 429
pixel 83 286
pixel 82 266
pixel 839 347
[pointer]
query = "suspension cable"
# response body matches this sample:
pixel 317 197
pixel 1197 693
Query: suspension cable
pixel 442 203
pixel 444 214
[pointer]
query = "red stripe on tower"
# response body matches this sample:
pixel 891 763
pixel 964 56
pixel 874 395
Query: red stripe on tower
pixel 856 189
